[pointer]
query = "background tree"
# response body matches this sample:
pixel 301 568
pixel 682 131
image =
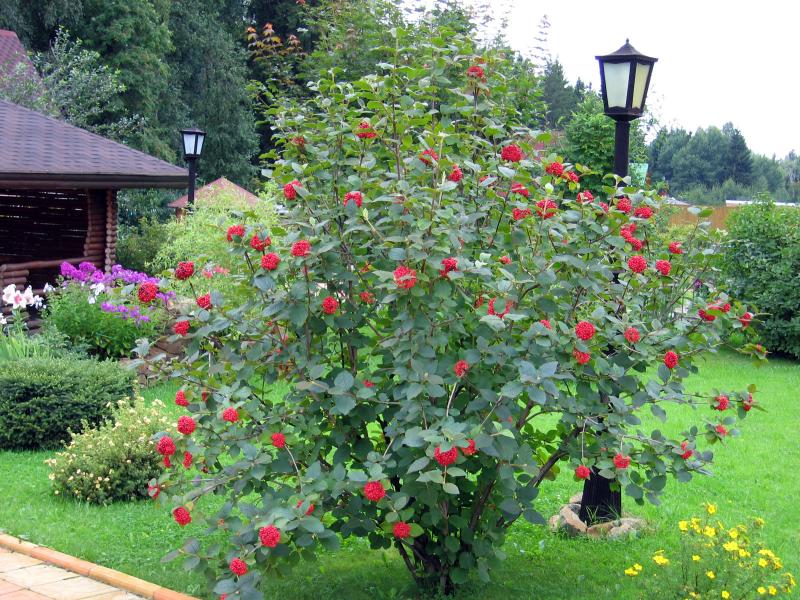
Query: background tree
pixel 738 156
pixel 558 95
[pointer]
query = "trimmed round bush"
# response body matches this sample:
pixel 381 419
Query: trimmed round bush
pixel 41 400
pixel 116 460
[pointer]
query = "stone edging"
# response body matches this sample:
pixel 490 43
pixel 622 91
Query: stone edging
pixel 140 587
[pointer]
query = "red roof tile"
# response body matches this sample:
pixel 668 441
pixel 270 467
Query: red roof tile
pixel 210 192
pixel 12 52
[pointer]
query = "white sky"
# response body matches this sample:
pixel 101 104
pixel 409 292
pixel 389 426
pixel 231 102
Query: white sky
pixel 719 61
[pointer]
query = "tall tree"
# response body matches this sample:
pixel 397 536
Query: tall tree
pixel 558 95
pixel 134 38
pixel 37 21
pixel 740 160
pixel 209 72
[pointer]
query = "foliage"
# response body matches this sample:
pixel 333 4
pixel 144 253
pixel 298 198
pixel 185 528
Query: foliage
pixel 41 400
pixel 140 207
pixel 114 461
pixel 717 560
pixel 138 247
pixel 200 236
pixel 589 141
pixel 713 165
pixel 100 312
pixel 410 333
pixel 209 72
pixel 75 86
pixel 761 263
pixel 559 96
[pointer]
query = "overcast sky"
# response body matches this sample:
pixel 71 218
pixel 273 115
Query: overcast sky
pixel 718 60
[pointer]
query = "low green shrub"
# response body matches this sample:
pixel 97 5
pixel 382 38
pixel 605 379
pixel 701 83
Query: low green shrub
pixel 41 400
pixel 115 461
pixel 761 263
pixel 200 236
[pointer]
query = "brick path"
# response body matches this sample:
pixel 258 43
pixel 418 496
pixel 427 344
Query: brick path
pixel 26 578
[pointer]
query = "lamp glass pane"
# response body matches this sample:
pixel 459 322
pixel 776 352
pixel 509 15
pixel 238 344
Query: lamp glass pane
pixel 642 71
pixel 188 143
pixel 617 75
pixel 200 139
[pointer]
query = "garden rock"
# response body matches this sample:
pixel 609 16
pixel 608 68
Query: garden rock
pixel 567 521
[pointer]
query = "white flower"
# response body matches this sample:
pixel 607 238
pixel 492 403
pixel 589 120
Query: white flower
pixel 8 293
pixel 97 288
pixel 3 320
pixel 91 299
pixel 47 288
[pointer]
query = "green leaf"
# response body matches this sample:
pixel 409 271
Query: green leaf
pixel 344 380
pixel 450 488
pixel 419 464
pixel 658 412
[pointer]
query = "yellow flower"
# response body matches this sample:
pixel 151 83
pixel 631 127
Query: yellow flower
pixel 763 562
pixel 758 522
pixel 772 590
pixel 766 552
pixel 791 579
pixel 761 590
pixel 637 566
pixel 683 525
pixel 695 558
pixel 709 531
pixel 725 594
pixel 710 574
pixel 711 508
pixel 731 546
pixel 744 553
pixel 734 533
pixel 631 572
pixel 660 559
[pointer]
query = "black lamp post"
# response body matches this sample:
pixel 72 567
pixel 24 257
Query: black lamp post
pixel 193 139
pixel 624 79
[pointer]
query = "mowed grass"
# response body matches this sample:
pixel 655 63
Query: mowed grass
pixel 755 475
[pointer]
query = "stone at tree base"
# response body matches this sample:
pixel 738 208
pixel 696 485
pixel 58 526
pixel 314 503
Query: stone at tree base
pixel 568 521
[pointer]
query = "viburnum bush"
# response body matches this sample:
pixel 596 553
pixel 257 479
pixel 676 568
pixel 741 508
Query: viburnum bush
pixel 454 320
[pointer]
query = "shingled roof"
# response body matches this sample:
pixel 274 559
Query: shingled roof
pixel 12 52
pixel 39 152
pixel 212 191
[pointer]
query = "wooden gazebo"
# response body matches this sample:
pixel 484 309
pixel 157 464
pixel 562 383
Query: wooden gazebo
pixel 58 194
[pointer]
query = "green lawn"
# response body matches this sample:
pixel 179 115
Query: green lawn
pixel 756 476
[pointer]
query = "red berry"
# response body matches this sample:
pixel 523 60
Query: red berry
pixel 235 231
pixel 461 368
pixel 270 261
pixel 581 357
pixel 147 292
pixel 427 155
pixel 456 174
pixel 624 205
pixel 187 460
pixel 469 450
pixel 204 301
pixel 356 197
pixel 404 277
pixel 180 398
pixel 401 530
pixel 637 264
pixel 582 472
pixel 663 267
pixel 585 330
pixel 270 536
pixel 184 270
pixel 290 189
pixel 278 440
pixel 238 567
pixel 546 323
pixel 330 305
pixel 230 414
pixel 310 507
pixel 632 335
pixel 186 425
pixel 181 327
pixel 687 452
pixel 374 490
pixel 181 516
pixel 670 359
pixel 256 243
pixel 512 153
pixel 675 248
pixel 301 248
pixel 445 458
pixel 621 462
pixel 554 168
pixel 721 430
pixel 722 402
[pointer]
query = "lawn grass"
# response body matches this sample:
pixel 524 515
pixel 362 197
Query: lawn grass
pixel 756 476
